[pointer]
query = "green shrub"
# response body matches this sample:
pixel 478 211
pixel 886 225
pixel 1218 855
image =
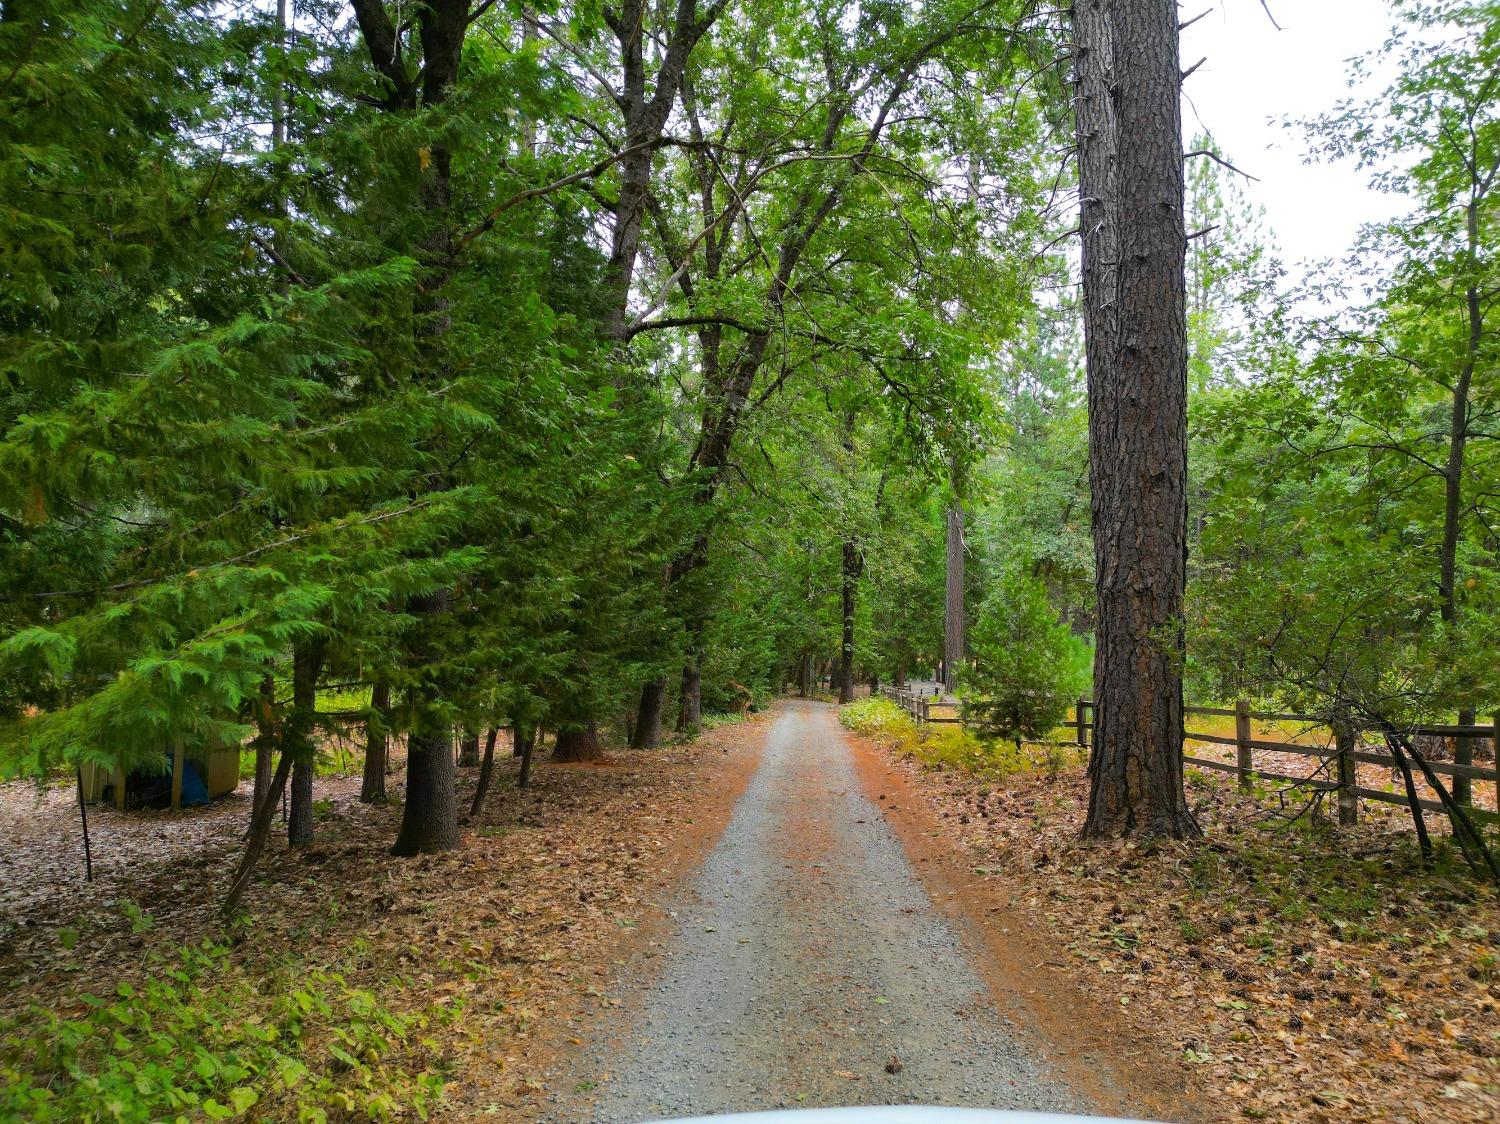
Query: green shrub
pixel 938 746
pixel 200 1040
pixel 1029 667
pixel 954 747
pixel 877 715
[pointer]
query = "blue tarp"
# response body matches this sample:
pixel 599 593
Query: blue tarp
pixel 194 791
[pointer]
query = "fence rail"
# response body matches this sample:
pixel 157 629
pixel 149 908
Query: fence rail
pixel 1342 747
pixel 919 706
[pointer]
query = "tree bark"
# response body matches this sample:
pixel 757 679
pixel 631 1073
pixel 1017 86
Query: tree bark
pixel 647 732
pixel 429 817
pixel 299 824
pixel 690 710
pixel 307 660
pixel 645 116
pixel 486 769
pixel 526 739
pixel 1458 435
pixel 953 604
pixel 429 820
pixel 853 564
pixel 372 784
pixel 578 743
pixel 1463 754
pixel 265 741
pixel 468 750
pixel 1128 117
pixel 260 833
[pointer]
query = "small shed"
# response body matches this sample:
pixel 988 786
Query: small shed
pixel 219 770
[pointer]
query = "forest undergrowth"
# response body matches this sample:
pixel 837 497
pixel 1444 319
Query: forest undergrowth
pixel 355 985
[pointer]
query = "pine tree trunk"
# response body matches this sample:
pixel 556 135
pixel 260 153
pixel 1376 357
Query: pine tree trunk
pixel 260 833
pixel 468 750
pixel 852 567
pixel 1134 241
pixel 526 739
pixel 265 742
pixel 299 824
pixel 429 821
pixel 307 659
pixel 372 784
pixel 690 711
pixel 953 604
pixel 647 732
pixel 486 769
pixel 264 755
pixel 429 818
pixel 578 743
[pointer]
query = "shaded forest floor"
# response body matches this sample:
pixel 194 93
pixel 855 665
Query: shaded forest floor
pixel 1285 970
pixel 355 983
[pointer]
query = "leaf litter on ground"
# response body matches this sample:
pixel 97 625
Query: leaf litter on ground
pixel 1295 971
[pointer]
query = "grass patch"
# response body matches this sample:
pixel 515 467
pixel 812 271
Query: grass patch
pixel 718 718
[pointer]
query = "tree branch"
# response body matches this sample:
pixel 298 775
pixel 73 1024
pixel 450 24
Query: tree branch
pixel 1217 159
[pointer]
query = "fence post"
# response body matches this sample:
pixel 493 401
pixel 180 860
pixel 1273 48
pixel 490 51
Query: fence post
pixel 1242 763
pixel 1344 741
pixel 1495 745
pixel 1083 730
pixel 924 709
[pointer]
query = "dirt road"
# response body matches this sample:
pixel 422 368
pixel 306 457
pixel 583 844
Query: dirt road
pixel 809 968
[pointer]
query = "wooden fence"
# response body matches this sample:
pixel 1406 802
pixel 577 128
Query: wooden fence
pixel 1341 747
pixel 920 706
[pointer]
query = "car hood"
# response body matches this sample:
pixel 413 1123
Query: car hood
pixel 902 1114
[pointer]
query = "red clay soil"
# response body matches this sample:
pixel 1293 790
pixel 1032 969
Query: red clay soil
pixel 1097 1051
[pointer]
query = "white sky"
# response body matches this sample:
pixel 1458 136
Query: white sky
pixel 1254 76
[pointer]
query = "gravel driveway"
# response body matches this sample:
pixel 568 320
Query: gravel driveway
pixel 809 968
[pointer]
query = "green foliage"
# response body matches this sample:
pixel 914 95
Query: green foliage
pixel 264 394
pixel 876 714
pixel 1029 666
pixel 229 430
pixel 378 385
pixel 1346 563
pixel 200 1039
